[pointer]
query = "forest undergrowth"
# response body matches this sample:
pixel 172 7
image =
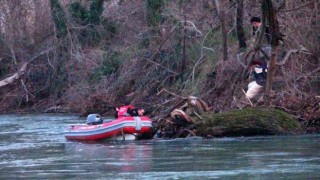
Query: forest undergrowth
pixel 90 57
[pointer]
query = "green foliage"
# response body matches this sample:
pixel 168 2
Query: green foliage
pixel 96 9
pixel 110 65
pixel 154 8
pixel 84 17
pixel 89 36
pixel 59 18
pixel 58 80
pixel 109 27
pixel 79 13
pixel 214 39
pixel 92 34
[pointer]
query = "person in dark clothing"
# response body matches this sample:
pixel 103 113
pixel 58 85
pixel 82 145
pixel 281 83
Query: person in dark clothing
pixel 259 71
pixel 136 112
pixel 266 48
pixel 256 23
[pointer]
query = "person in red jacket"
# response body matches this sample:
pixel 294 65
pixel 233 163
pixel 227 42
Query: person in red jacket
pixel 122 111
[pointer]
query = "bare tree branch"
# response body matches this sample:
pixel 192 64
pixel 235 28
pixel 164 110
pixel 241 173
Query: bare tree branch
pixel 21 71
pixel 288 54
pixel 294 9
pixel 15 76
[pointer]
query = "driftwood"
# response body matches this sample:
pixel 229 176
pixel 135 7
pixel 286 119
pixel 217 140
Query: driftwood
pixel 185 112
pixel 192 106
pixel 186 107
pixel 179 114
pixel 57 109
pixel 194 119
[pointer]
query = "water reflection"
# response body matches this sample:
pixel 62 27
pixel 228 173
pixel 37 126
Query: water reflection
pixel 33 147
pixel 112 156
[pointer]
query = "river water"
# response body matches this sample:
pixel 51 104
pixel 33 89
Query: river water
pixel 33 147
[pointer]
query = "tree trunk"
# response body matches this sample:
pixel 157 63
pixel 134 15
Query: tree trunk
pixel 59 75
pixel 270 14
pixel 239 26
pixel 183 63
pixel 221 14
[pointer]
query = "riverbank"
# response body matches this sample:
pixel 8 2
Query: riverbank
pixel 238 122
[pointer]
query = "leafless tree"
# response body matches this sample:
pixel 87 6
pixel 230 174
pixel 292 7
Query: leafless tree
pixel 239 25
pixel 222 14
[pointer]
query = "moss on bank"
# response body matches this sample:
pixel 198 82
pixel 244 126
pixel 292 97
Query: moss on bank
pixel 248 122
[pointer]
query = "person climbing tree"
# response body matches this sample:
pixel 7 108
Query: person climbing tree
pixel 259 72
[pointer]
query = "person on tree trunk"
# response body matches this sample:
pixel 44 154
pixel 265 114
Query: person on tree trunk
pixel 256 23
pixel 259 72
pixel 259 64
pixel 256 27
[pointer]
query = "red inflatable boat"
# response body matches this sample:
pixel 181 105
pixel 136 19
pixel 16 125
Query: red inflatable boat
pixel 136 126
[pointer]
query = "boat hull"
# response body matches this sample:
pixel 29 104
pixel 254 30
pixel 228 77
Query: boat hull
pixel 138 126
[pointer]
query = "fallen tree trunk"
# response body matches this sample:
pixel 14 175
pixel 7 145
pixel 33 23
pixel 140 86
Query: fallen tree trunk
pixel 15 76
pixel 244 122
pixel 248 122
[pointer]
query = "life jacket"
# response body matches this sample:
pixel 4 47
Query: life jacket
pixel 123 111
pixel 260 74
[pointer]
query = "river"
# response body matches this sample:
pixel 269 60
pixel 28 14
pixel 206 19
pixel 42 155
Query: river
pixel 33 147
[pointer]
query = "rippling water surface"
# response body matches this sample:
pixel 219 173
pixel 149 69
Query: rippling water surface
pixel 33 147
